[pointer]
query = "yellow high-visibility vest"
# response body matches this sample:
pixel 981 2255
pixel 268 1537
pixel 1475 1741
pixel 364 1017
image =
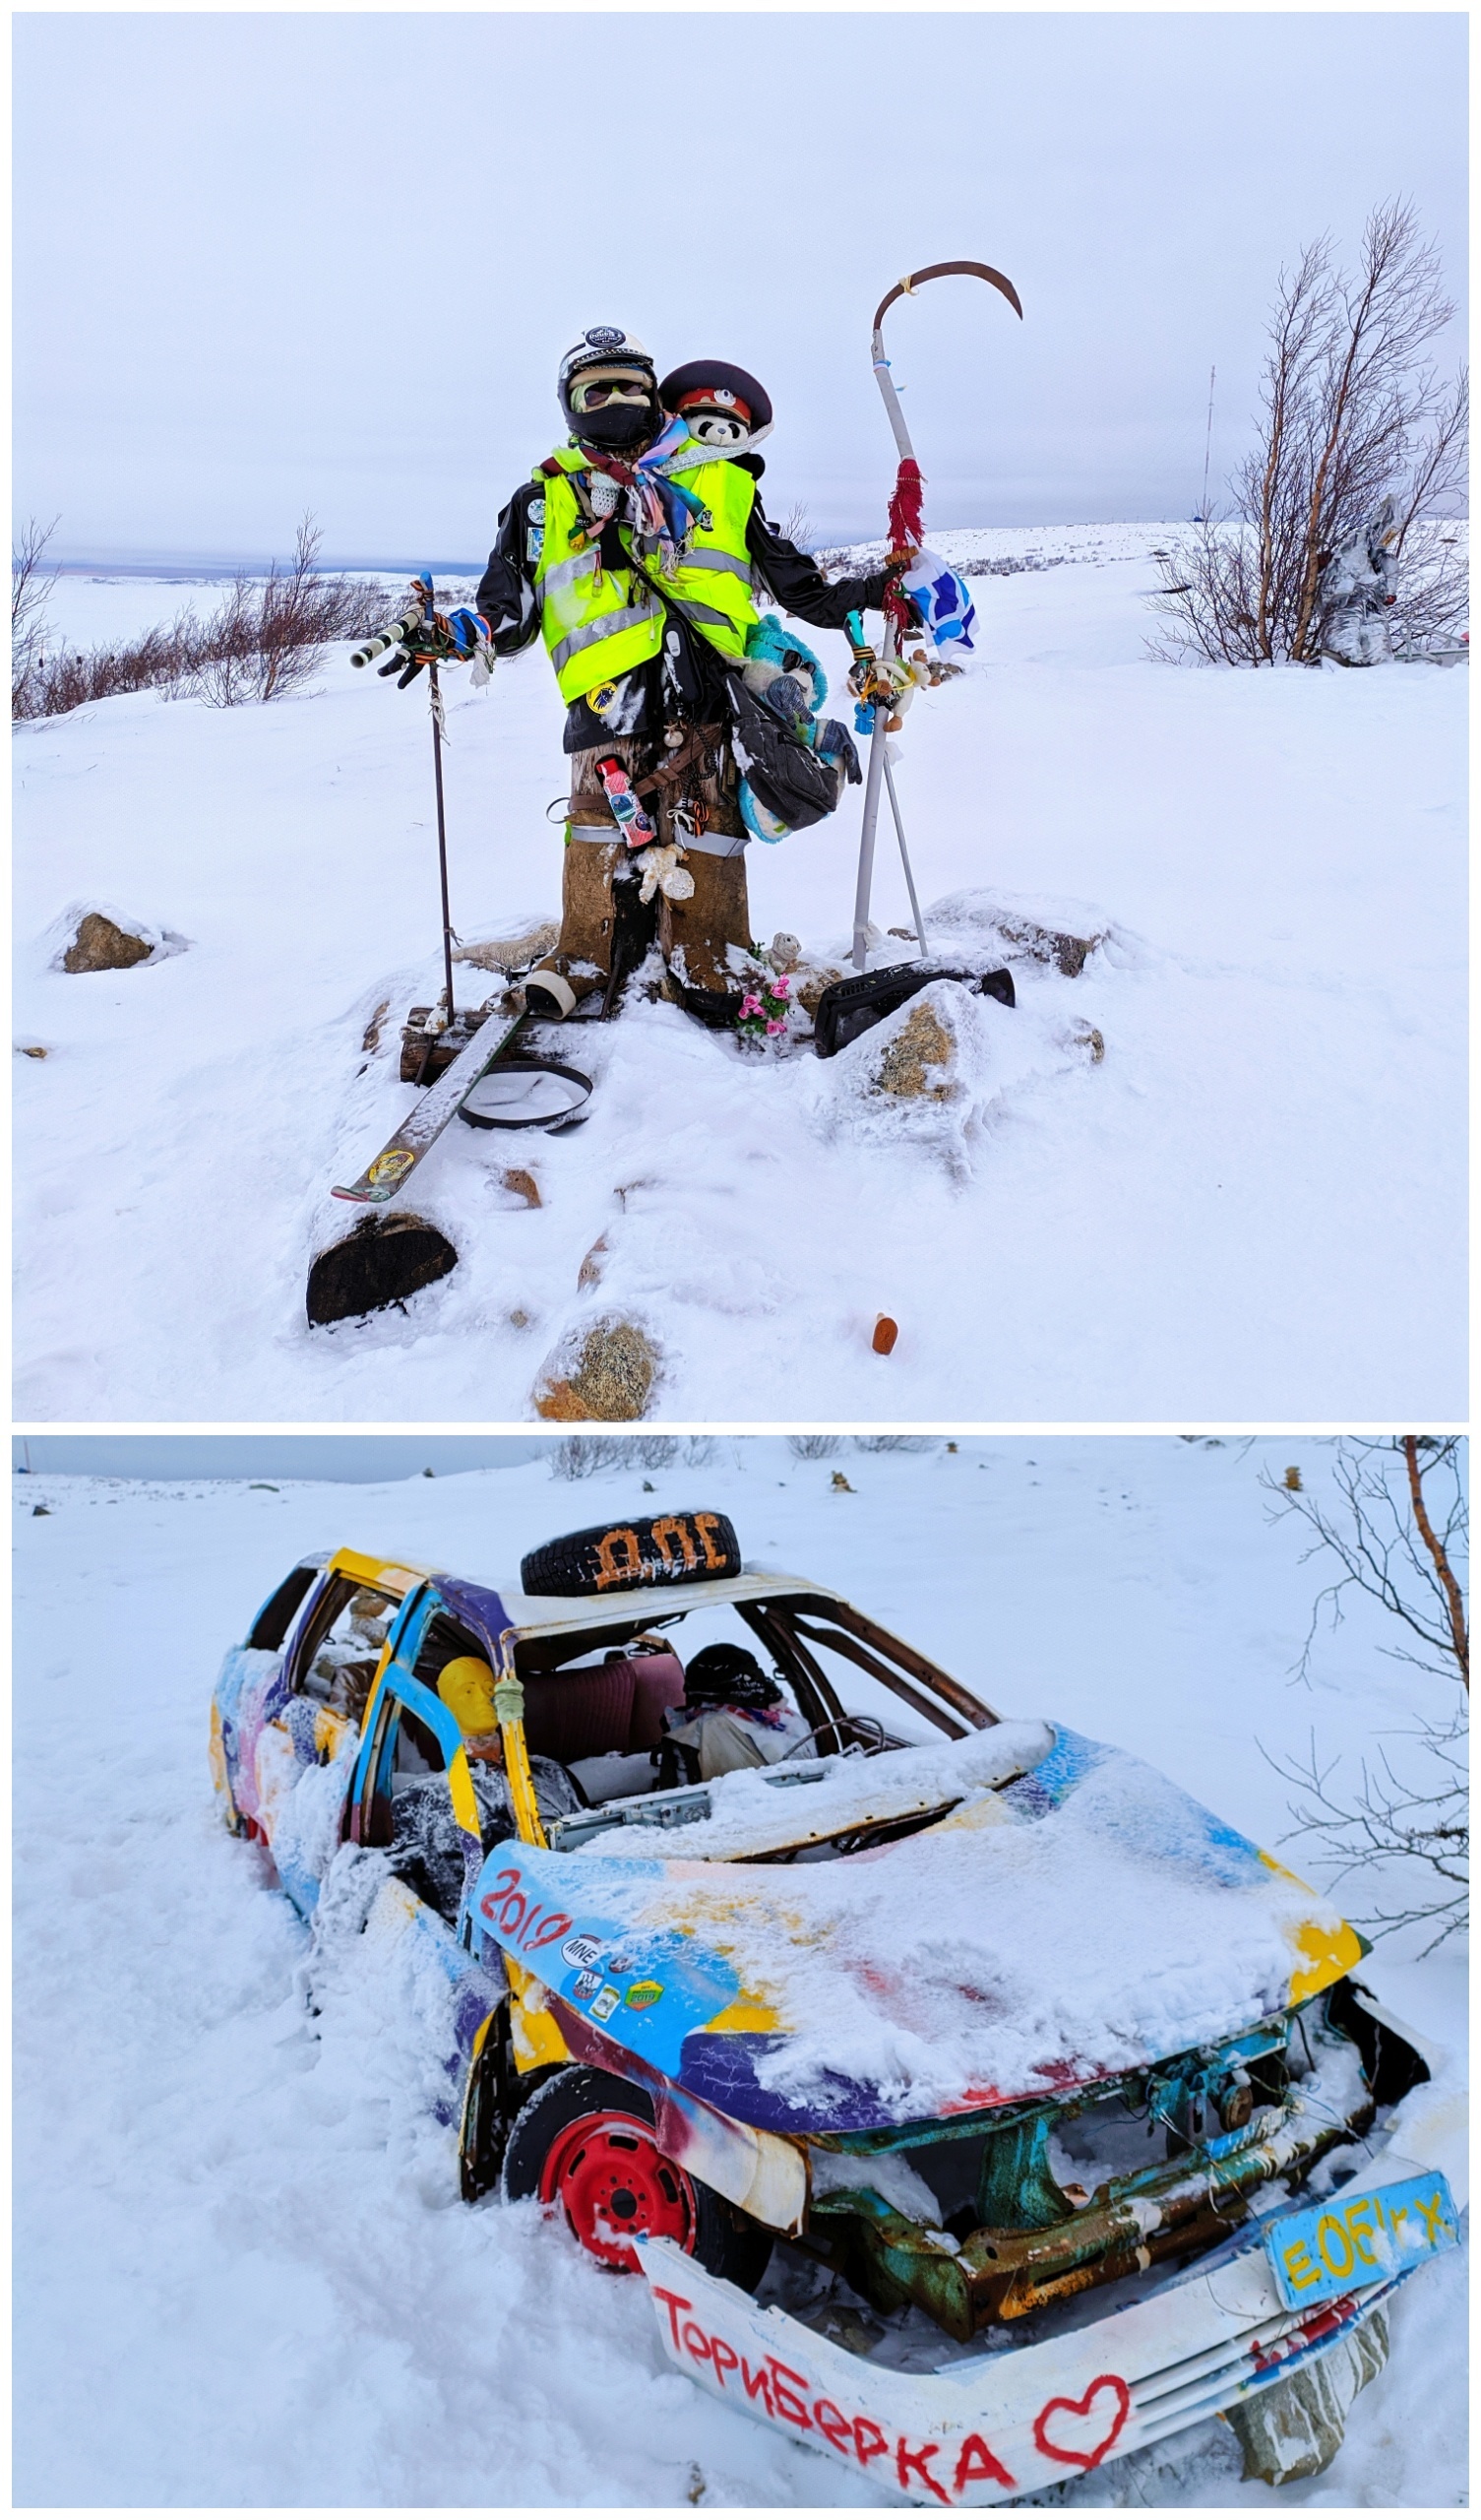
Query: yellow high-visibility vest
pixel 597 622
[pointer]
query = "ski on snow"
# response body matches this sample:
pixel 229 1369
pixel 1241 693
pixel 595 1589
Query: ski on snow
pixel 425 1123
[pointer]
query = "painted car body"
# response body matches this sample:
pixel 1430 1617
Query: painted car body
pixel 800 2026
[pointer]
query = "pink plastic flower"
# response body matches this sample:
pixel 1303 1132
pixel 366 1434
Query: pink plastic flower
pixel 750 1006
pixel 780 986
pixel 777 1025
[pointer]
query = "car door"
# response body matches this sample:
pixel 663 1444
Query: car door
pixel 410 1797
pixel 304 1718
pixel 248 1687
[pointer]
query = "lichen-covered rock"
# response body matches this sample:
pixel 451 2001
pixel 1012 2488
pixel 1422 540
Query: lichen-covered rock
pixel 1068 953
pixel 512 953
pixel 101 946
pixel 917 1061
pixel 605 1373
pixel 1062 935
pixel 810 980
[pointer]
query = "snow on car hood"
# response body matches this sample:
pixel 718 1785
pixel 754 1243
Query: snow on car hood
pixel 1086 1920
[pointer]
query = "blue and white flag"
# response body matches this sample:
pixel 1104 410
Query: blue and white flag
pixel 942 598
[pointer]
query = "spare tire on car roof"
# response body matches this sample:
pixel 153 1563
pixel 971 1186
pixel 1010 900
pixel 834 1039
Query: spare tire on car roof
pixel 647 1549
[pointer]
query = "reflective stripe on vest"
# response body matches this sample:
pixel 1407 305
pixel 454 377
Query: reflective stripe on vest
pixel 599 623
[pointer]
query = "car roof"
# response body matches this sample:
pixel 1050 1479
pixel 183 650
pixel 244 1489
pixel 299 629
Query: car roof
pixel 549 1614
pixel 552 1613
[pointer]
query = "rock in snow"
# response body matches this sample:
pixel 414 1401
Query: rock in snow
pixel 606 1371
pixel 100 946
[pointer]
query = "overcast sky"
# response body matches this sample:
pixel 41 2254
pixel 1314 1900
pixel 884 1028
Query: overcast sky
pixel 278 261
pixel 270 1457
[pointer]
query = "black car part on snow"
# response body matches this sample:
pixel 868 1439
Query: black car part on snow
pixel 382 1261
pixel 848 1008
pixel 619 1557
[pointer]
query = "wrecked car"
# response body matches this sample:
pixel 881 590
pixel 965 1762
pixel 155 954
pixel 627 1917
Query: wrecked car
pixel 973 2103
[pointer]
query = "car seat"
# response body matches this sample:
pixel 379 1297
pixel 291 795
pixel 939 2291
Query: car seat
pixel 600 1706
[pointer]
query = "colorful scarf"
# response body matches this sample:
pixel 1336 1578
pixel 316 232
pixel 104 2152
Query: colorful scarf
pixel 661 513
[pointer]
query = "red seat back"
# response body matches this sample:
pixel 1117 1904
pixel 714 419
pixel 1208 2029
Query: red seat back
pixel 579 1714
pixel 657 1683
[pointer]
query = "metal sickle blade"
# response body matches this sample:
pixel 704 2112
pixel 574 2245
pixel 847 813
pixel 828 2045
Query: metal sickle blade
pixel 939 271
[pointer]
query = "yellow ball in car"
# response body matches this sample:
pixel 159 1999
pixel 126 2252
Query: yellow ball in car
pixel 467 1686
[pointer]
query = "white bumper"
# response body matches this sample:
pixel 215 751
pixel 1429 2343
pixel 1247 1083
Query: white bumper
pixel 991 2426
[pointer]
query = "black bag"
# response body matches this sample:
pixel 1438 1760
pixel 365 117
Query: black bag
pixel 791 781
pixel 786 777
pixel 848 1008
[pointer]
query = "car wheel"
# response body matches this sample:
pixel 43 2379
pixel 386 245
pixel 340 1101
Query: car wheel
pixel 585 2144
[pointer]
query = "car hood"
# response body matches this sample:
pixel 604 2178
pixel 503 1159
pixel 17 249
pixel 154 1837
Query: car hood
pixel 1079 1921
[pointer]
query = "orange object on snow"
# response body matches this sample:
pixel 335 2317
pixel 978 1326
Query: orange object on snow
pixel 886 1333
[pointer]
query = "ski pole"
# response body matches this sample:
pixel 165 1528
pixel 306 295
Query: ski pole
pixel 435 703
pixel 906 534
pixel 900 833
pixel 872 779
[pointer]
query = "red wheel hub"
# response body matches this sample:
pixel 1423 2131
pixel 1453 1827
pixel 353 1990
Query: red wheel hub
pixel 615 2186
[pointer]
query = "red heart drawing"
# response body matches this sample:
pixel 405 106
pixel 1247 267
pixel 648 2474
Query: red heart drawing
pixel 1090 2458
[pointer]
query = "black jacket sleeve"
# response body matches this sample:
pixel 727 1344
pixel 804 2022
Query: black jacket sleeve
pixel 798 584
pixel 506 591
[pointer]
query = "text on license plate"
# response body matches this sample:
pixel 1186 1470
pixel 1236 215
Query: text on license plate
pixel 1359 2238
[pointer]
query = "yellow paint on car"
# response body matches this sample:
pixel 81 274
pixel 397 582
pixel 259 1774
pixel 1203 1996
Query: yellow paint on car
pixel 218 1755
pixel 331 1731
pixel 533 2028
pixel 382 1574
pixel 1329 1951
pixel 746 2013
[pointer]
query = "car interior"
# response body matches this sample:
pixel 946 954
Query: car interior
pixel 598 1703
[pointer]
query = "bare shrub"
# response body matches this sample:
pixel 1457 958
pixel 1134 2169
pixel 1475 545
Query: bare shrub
pixel 897 1443
pixel 265 637
pixel 582 1456
pixel 814 1447
pixel 1352 411
pixel 30 585
pixel 1400 1537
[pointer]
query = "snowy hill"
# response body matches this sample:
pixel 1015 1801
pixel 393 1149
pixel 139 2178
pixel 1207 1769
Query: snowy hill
pixel 1208 1221
pixel 243 2272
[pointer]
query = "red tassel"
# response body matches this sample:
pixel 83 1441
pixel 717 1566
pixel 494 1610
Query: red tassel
pixel 907 526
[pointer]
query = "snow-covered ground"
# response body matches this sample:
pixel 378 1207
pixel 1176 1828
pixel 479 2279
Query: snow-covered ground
pixel 1251 1207
pixel 244 2273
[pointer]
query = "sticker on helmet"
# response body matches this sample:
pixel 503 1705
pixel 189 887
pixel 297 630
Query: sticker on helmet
pixel 647 1991
pixel 601 698
pixel 606 2004
pixel 605 336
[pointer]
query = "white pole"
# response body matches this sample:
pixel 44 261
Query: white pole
pixel 878 769
pixel 900 833
pixel 872 779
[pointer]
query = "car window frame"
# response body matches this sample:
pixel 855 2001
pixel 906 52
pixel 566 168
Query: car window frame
pixel 313 1626
pixel 397 1688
